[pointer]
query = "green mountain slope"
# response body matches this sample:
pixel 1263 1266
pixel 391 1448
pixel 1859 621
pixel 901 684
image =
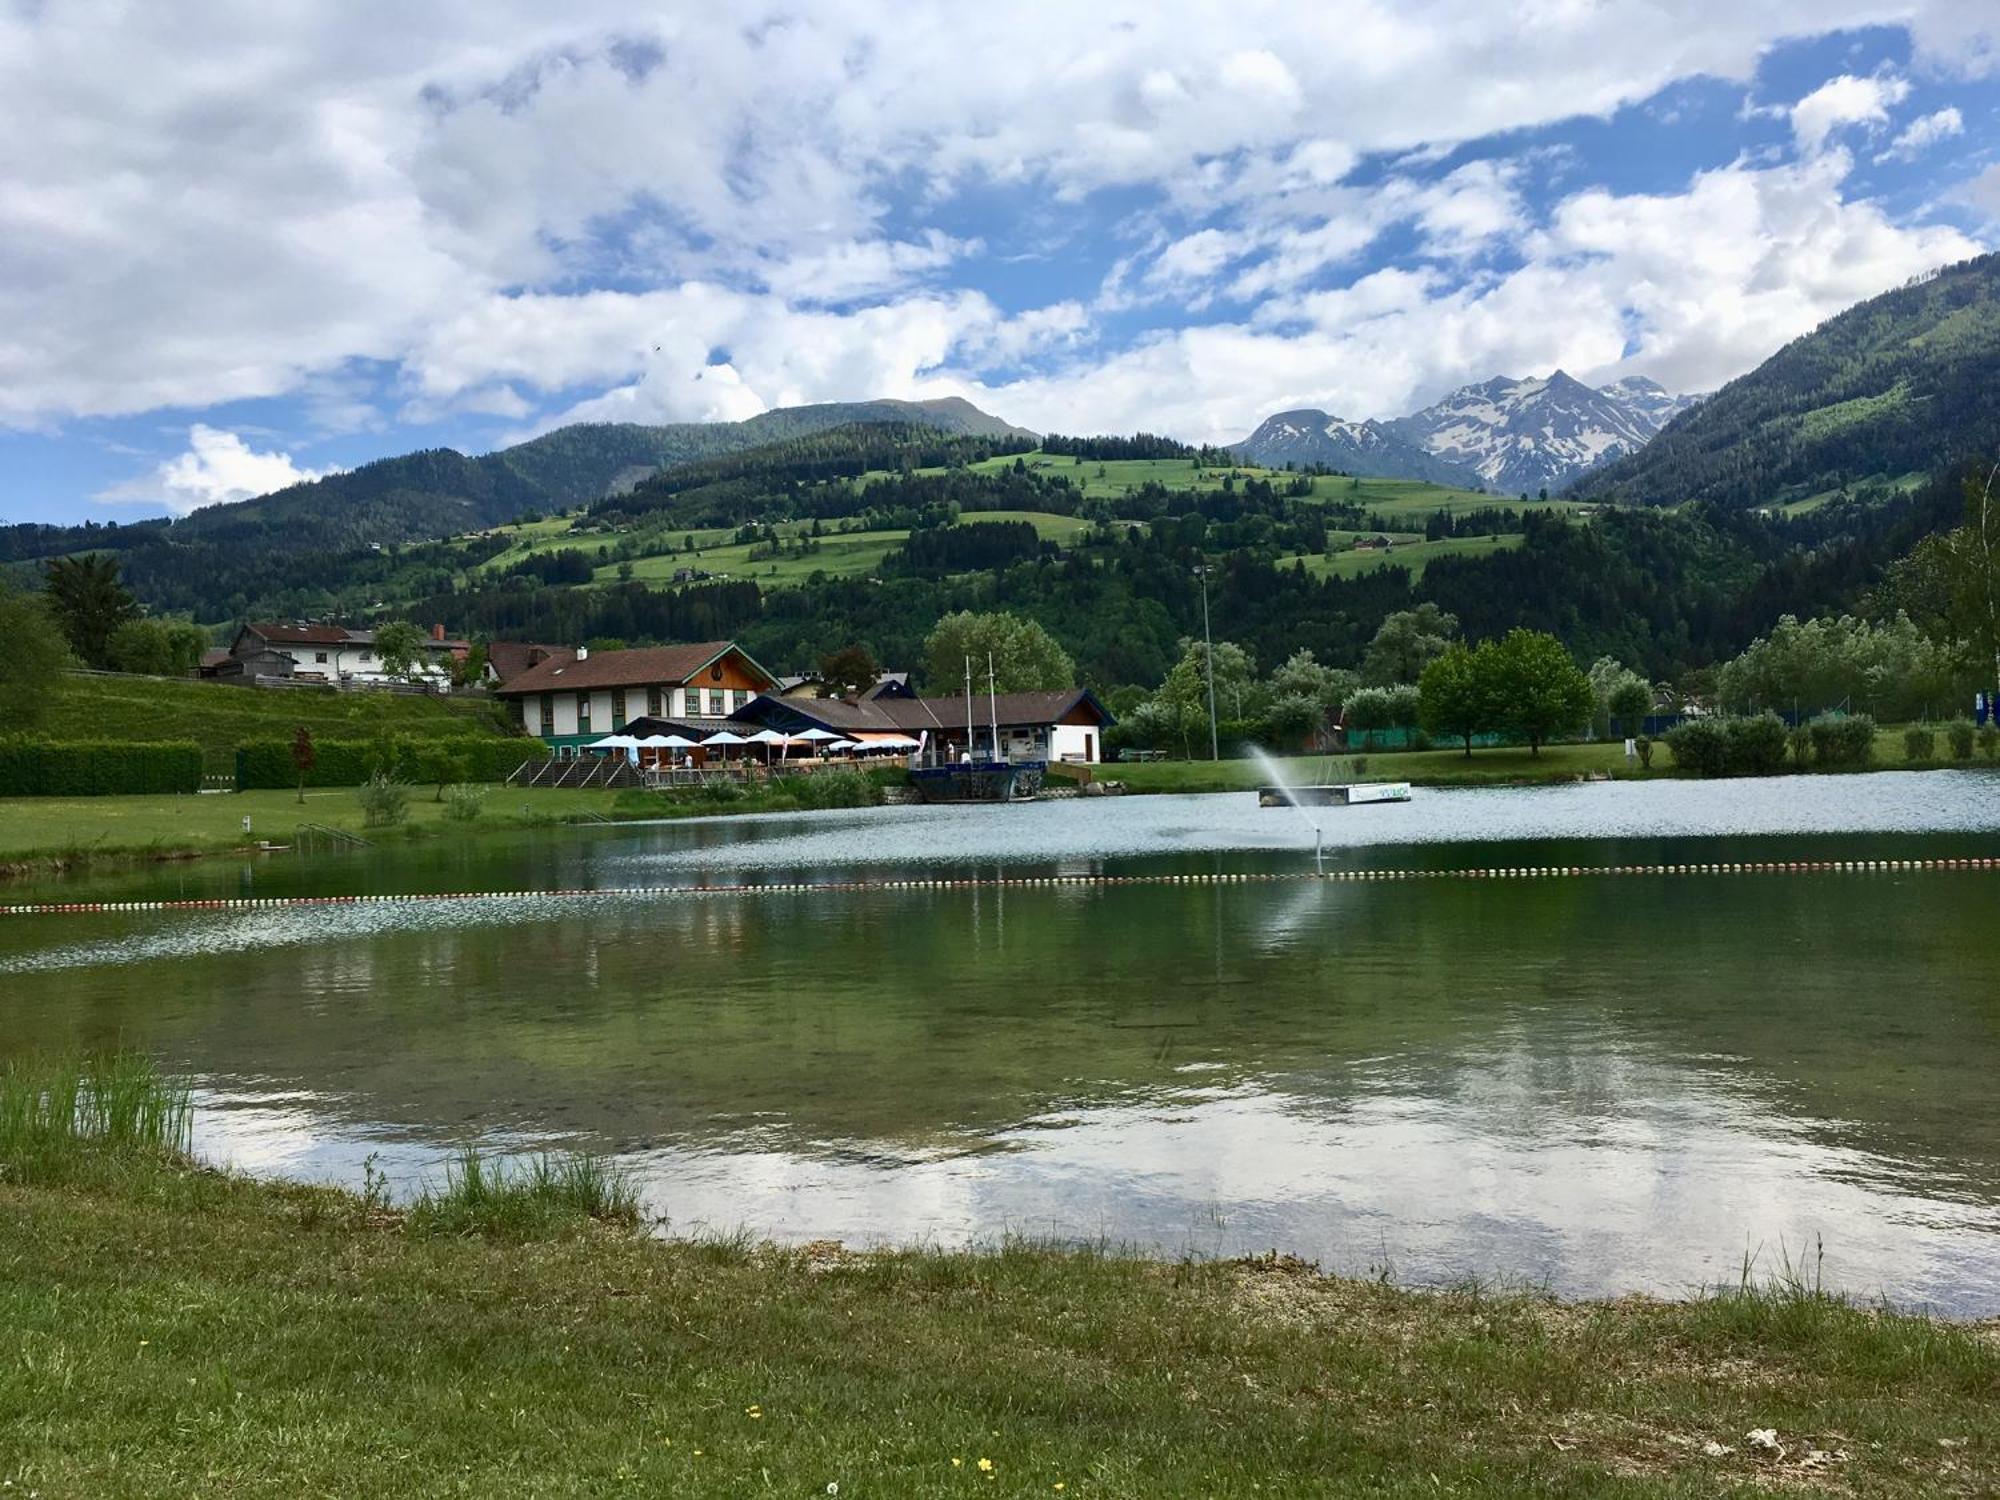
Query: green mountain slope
pixel 1903 384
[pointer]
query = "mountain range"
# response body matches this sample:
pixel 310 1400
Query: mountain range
pixel 1873 402
pixel 1505 435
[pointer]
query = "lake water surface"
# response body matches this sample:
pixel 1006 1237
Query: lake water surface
pixel 1598 1084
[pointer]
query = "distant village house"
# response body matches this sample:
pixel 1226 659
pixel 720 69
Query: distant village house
pixel 331 654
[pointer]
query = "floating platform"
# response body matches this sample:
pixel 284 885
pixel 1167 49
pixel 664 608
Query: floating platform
pixel 1350 794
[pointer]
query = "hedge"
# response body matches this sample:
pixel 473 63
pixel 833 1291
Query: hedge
pixel 266 764
pixel 97 768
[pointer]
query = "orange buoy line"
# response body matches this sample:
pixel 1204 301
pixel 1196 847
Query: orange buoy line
pixel 1020 882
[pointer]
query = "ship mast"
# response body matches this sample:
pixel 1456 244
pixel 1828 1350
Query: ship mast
pixel 968 708
pixel 992 706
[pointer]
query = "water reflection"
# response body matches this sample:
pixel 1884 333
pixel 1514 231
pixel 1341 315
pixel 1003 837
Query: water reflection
pixel 1602 1085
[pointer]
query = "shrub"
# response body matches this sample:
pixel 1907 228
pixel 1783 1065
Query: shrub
pixel 385 801
pixel 1963 736
pixel 1801 742
pixel 546 1194
pixel 1843 739
pixel 1920 742
pixel 1755 746
pixel 824 789
pixel 463 804
pixel 1700 746
pixel 90 768
pixel 268 763
pixel 1644 746
pixel 1989 741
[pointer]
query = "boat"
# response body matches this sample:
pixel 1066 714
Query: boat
pixel 993 778
pixel 1346 794
pixel 980 781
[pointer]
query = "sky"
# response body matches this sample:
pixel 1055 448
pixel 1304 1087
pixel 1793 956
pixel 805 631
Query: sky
pixel 243 244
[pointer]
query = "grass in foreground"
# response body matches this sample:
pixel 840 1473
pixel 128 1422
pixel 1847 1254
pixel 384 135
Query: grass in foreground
pixel 174 1330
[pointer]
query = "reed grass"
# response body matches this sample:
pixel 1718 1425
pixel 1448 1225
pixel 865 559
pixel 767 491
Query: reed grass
pixel 543 1194
pixel 58 1115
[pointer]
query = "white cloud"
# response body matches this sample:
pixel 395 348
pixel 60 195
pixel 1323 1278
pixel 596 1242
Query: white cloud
pixel 1983 193
pixel 205 202
pixel 1844 101
pixel 1923 133
pixel 1707 282
pixel 218 467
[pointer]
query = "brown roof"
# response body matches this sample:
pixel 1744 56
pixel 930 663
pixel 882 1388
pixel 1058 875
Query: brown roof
pixel 306 635
pixel 639 667
pixel 333 635
pixel 511 658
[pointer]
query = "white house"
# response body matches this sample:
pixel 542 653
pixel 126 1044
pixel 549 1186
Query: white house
pixel 576 697
pixel 331 653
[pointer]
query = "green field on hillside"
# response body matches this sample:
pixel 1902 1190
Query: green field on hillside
pixel 219 716
pixel 1414 554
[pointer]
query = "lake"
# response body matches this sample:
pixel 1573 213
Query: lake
pixel 1595 1084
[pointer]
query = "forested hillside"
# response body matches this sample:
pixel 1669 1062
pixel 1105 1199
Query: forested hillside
pixel 1896 390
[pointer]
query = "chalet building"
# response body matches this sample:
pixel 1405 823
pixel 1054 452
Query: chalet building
pixel 1063 726
pixel 327 653
pixel 571 699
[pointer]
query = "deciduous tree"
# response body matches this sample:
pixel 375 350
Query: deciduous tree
pixel 1026 658
pixel 1540 690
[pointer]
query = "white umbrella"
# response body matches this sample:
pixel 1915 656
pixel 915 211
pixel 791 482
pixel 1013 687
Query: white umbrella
pixel 676 741
pixel 612 742
pixel 818 734
pixel 768 737
pixel 724 737
pixel 662 742
pixel 838 745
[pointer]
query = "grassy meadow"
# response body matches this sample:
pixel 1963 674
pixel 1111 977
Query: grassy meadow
pixel 219 716
pixel 179 1330
pixel 1409 551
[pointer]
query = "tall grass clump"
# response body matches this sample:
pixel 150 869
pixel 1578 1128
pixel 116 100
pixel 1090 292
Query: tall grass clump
pixel 547 1193
pixel 59 1114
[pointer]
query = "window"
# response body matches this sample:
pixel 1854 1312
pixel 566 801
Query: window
pixel 617 710
pixel 653 708
pixel 583 713
pixel 548 718
pixel 320 657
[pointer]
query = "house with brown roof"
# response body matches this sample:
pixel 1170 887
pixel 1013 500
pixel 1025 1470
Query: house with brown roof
pixel 334 654
pixel 1057 726
pixel 571 700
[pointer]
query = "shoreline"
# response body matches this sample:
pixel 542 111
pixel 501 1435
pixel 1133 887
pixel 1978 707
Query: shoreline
pixel 551 810
pixel 316 1338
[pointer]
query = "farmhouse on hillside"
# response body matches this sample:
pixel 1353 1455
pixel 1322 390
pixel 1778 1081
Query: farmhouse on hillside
pixel 268 650
pixel 570 700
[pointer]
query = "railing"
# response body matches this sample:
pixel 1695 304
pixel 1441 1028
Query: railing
pixel 312 837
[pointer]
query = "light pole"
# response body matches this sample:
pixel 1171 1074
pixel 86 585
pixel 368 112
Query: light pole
pixel 1208 658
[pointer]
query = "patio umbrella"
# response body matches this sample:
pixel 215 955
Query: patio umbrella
pixel 612 742
pixel 767 738
pixel 817 734
pixel 724 737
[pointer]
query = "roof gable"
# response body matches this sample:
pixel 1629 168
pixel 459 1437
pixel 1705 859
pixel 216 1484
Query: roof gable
pixel 640 666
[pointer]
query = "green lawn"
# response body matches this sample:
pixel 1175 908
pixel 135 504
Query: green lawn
pixel 61 828
pixel 1414 554
pixel 220 716
pixel 173 1331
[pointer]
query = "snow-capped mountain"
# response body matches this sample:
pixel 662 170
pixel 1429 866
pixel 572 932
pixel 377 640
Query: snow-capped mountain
pixel 1540 433
pixel 1504 435
pixel 1305 438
